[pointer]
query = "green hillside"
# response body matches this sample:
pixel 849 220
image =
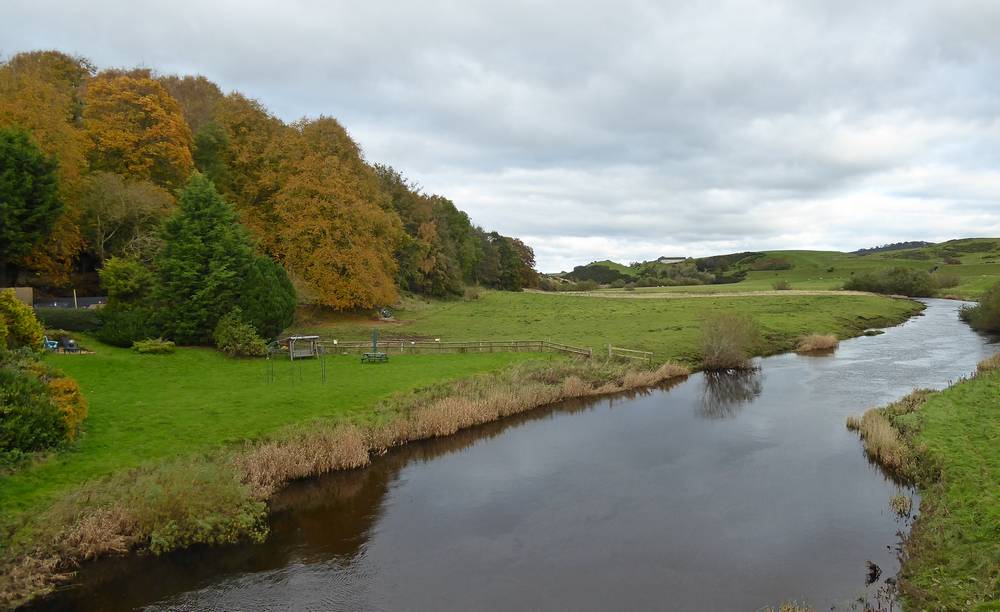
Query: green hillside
pixel 974 262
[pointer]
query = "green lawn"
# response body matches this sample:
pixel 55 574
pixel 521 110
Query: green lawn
pixel 147 407
pixel 668 327
pixel 954 550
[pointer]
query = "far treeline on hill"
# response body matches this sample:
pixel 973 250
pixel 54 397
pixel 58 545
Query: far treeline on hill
pixel 103 154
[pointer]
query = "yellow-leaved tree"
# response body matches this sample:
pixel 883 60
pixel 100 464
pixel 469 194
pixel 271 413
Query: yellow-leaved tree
pixel 335 231
pixel 136 129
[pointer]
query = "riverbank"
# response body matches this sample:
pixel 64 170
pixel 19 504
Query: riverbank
pixel 207 430
pixel 946 443
pixel 221 497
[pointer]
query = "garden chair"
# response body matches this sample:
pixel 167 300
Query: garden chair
pixel 70 346
pixel 51 345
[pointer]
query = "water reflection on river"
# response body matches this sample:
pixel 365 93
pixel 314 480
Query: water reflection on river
pixel 722 492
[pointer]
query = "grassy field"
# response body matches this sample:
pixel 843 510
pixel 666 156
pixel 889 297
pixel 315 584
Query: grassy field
pixel 829 270
pixel 669 328
pixel 148 407
pixel 947 442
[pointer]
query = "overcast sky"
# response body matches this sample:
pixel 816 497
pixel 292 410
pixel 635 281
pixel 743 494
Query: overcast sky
pixel 623 130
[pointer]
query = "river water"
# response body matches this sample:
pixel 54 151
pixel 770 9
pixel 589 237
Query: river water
pixel 717 493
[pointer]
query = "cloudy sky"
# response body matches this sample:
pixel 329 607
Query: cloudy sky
pixel 623 130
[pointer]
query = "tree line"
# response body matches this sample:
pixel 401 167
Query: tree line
pixel 118 145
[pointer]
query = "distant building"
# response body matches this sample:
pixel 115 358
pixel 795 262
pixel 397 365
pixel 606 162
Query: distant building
pixel 670 260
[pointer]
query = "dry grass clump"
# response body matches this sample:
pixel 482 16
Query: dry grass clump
pixel 266 466
pixel 989 364
pixel 159 507
pixel 728 340
pixel 901 504
pixel 817 342
pixel 884 442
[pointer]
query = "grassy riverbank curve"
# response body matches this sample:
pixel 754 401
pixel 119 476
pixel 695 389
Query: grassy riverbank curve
pixel 947 443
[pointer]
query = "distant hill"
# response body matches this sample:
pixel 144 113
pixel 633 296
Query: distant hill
pixel 972 263
pixel 895 246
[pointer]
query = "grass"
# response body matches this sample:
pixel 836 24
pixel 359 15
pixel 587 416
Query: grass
pixel 147 407
pixel 671 329
pixel 949 447
pixel 829 270
pixel 813 343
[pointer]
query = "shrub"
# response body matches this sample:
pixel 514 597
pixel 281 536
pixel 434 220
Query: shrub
pixel 898 281
pixel 237 338
pixel 952 261
pixel 126 280
pixel 817 342
pixel 20 326
pixel 781 285
pixel 70 319
pixel 984 316
pixel 29 420
pixel 545 283
pixel 153 346
pixel 471 293
pixel 65 394
pixel 728 341
pixel 121 325
pixel 618 284
pixel 946 280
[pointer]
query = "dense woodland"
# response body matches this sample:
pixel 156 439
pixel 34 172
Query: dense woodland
pixel 123 143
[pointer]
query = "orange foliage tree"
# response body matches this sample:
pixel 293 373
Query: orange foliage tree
pixel 136 129
pixel 40 92
pixel 335 232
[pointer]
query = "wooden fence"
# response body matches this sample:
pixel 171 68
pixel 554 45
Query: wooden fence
pixel 413 347
pixel 624 353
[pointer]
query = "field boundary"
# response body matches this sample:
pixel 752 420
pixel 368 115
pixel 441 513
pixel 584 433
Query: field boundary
pixel 416 347
pixel 624 353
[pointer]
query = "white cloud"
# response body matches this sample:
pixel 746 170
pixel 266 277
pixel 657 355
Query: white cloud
pixel 627 129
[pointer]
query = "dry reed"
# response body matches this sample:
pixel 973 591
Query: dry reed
pixel 814 343
pixel 883 441
pixel 989 364
pixel 901 504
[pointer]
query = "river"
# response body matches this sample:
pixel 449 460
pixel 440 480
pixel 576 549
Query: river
pixel 715 493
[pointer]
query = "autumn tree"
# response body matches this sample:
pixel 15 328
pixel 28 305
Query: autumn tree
pixel 29 199
pixel 40 92
pixel 197 97
pixel 136 129
pixel 256 151
pixel 337 231
pixel 121 216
